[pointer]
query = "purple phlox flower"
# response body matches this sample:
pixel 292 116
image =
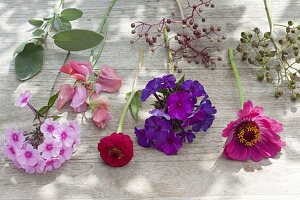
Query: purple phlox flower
pixel 180 105
pixel 14 137
pixel 155 126
pixel 152 87
pixel 194 87
pixel 142 138
pixel 36 168
pixel 168 81
pixel 66 135
pixel 10 151
pixel 160 113
pixel 75 126
pixel 168 143
pixel 65 153
pixel 49 127
pixel 50 164
pixel 188 135
pixel 202 118
pixel 50 148
pixel 23 99
pixel 28 156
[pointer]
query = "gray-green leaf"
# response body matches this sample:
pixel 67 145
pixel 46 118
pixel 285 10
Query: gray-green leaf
pixel 77 39
pixel 38 32
pixel 36 22
pixel 71 14
pixel 66 24
pixel 29 62
pixel 135 104
pixel 20 48
pixel 57 24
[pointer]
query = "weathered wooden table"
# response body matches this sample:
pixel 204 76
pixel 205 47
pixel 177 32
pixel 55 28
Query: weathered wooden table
pixel 198 171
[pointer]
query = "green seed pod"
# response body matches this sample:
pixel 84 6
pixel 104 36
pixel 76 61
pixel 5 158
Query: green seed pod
pixel 260 76
pixel 267 35
pixel 298 27
pixel 244 35
pixel 250 35
pixel 293 96
pixel 296 53
pixel 243 40
pixel 281 42
pixel 298 60
pixel 278 93
pixel 250 61
pixel 256 30
pixel 239 48
pixel 278 68
pixel 290 23
pixel 269 79
pixel 244 58
pixel 254 44
pixel 268 68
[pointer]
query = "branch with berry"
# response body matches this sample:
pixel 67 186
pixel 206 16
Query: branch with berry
pixel 277 59
pixel 190 40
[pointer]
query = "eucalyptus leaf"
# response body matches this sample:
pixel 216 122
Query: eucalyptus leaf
pixel 39 38
pixel 20 48
pixel 71 14
pixel 77 39
pixel 38 32
pixel 66 24
pixel 135 104
pixel 58 26
pixel 29 62
pixel 48 17
pixel 36 22
pixel 52 99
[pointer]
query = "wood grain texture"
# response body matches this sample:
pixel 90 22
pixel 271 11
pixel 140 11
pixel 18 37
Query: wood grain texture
pixel 198 171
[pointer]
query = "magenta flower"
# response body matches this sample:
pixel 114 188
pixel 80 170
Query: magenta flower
pixel 180 105
pixel 14 137
pixel 66 135
pixel 50 147
pixel 252 136
pixel 50 164
pixel 23 99
pixel 28 156
pixel 49 127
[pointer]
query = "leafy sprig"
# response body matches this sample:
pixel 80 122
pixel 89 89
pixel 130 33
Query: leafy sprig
pixel 277 58
pixel 29 54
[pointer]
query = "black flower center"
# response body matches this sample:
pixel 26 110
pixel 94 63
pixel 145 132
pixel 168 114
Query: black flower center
pixel 116 153
pixel 248 133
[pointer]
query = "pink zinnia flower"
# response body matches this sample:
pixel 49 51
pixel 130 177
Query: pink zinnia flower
pixel 78 70
pixel 49 127
pixel 14 137
pixel 109 80
pixel 252 135
pixel 66 135
pixel 28 156
pixel 23 99
pixel 50 164
pixel 50 148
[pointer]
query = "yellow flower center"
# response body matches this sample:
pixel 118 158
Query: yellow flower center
pixel 116 153
pixel 248 133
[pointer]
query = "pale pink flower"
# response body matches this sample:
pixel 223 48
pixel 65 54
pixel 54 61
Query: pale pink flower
pixel 97 90
pixel 28 156
pixel 79 99
pixel 14 137
pixel 75 126
pixel 66 94
pixel 76 143
pixel 50 164
pixel 10 151
pixel 36 168
pixel 109 80
pixel 101 102
pixel 50 148
pixel 65 153
pixel 49 127
pixel 78 70
pixel 101 116
pixel 66 135
pixel 23 99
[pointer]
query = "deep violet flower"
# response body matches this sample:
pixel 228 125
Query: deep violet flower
pixel 194 87
pixel 179 105
pixel 152 87
pixel 252 136
pixel 142 138
pixel 168 81
pixel 160 113
pixel 154 126
pixel 168 143
pixel 188 135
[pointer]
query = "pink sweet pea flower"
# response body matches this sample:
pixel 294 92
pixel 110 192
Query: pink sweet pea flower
pixel 23 99
pixel 79 99
pixel 101 116
pixel 28 156
pixel 109 80
pixel 50 164
pixel 66 94
pixel 78 70
pixel 66 135
pixel 252 136
pixel 14 137
pixel 50 148
pixel 49 127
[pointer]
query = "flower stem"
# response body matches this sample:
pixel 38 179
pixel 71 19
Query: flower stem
pixel 180 9
pixel 169 51
pixel 133 91
pixel 236 76
pixel 56 78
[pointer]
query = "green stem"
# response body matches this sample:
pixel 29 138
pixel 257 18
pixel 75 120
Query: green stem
pixel 133 91
pixel 169 51
pixel 180 9
pixel 237 77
